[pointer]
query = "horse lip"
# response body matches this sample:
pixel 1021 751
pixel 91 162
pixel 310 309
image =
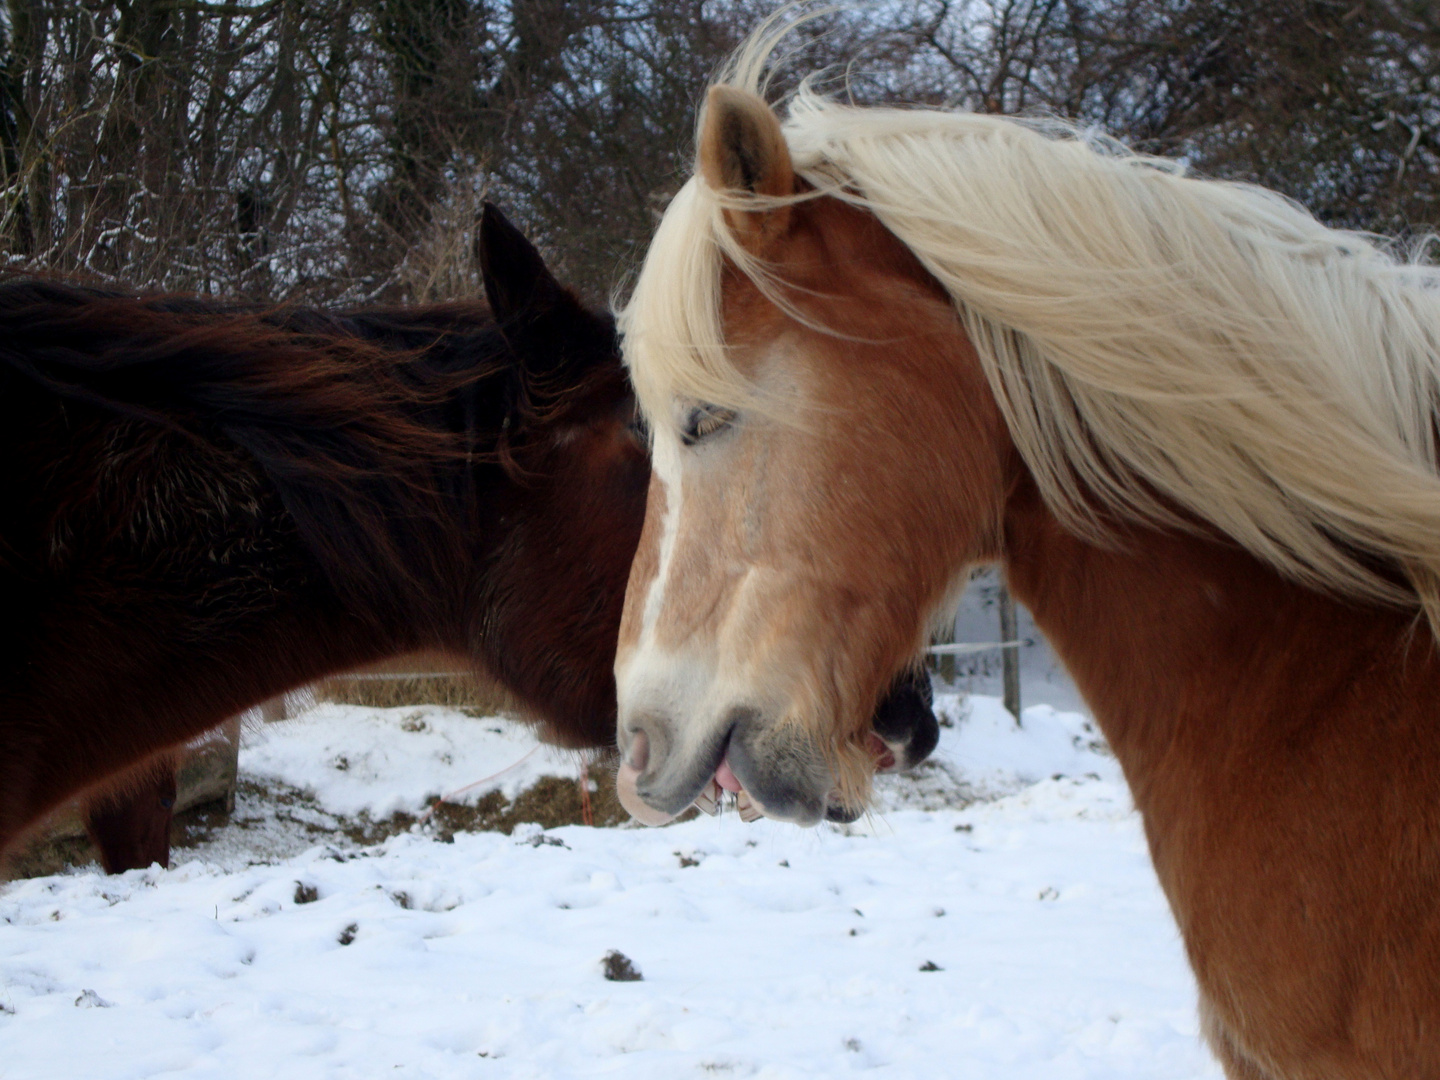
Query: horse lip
pixel 841 814
pixel 884 754
pixel 657 794
pixel 627 790
pixel 783 801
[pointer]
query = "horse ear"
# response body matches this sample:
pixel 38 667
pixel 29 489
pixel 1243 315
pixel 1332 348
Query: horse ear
pixel 743 152
pixel 551 334
pixel 517 283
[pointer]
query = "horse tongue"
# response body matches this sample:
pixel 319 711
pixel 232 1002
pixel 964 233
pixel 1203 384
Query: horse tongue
pixel 883 755
pixel 725 777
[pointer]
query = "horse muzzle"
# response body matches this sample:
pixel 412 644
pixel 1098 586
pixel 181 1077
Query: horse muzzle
pixel 771 771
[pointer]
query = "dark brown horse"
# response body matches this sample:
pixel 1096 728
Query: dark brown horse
pixel 1196 427
pixel 205 505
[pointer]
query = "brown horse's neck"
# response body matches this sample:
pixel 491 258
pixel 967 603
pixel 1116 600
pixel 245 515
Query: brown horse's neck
pixel 1193 653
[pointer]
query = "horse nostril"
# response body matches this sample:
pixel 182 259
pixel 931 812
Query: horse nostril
pixel 638 755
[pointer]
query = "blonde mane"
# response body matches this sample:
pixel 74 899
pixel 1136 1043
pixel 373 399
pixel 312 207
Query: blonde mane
pixel 1154 340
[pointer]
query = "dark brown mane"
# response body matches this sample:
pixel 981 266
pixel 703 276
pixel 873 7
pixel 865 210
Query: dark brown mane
pixel 358 419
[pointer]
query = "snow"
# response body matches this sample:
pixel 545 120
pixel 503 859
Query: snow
pixel 379 761
pixel 1018 936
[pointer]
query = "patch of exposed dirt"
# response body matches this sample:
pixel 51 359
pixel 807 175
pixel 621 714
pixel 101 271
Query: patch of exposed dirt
pixel 273 821
pixel 617 967
pixel 41 858
pixel 551 802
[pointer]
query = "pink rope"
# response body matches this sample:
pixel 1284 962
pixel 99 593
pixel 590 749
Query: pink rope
pixel 461 791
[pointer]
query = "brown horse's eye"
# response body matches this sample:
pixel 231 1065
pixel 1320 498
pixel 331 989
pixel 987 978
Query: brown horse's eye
pixel 703 421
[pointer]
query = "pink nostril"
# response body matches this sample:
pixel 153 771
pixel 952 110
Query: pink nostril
pixel 638 755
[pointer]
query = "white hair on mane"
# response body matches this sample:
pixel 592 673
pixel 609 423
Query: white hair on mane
pixel 1155 341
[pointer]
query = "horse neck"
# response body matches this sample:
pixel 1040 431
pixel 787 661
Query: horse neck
pixel 1193 654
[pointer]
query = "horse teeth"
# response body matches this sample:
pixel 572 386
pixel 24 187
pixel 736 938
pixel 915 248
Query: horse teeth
pixel 748 810
pixel 708 801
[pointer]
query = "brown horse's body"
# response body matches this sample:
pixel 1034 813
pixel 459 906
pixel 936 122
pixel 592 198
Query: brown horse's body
pixel 1282 742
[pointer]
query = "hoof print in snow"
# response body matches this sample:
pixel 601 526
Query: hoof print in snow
pixel 89 999
pixel 619 968
pixel 853 1045
pixel 931 965
pixel 348 934
pixel 306 894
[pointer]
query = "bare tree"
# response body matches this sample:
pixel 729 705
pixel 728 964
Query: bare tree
pixel 1334 102
pixel 338 149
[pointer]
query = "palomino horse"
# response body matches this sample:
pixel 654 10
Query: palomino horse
pixel 1196 428
pixel 205 505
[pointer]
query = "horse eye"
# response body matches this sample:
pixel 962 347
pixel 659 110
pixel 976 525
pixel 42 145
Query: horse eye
pixel 703 421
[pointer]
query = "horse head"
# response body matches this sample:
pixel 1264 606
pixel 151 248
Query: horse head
pixel 825 472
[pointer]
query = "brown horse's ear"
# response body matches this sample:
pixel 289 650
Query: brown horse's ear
pixel 518 284
pixel 743 152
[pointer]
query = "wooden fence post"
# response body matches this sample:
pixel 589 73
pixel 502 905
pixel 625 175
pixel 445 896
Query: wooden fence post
pixel 1010 654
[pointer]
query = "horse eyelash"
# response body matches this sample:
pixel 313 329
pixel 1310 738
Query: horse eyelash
pixel 703 421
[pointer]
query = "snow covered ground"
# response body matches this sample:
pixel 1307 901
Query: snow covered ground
pixel 1021 935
